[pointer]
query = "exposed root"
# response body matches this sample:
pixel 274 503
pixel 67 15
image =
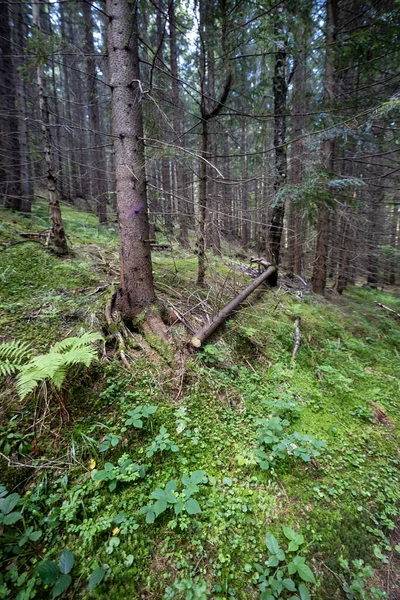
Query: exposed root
pixel 113 327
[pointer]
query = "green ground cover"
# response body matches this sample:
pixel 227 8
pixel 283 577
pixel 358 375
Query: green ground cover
pixel 234 473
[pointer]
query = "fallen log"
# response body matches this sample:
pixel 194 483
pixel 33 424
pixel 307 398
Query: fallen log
pixel 204 333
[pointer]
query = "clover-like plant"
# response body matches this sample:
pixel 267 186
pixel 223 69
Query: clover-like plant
pixel 171 498
pixel 282 575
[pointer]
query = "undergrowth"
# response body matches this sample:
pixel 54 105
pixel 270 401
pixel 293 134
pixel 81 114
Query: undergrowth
pixel 253 476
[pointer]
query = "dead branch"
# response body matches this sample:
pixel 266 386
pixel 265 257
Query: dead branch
pixel 297 337
pixel 220 318
pixel 387 308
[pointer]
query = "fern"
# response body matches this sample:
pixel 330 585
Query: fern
pixel 12 355
pixel 54 365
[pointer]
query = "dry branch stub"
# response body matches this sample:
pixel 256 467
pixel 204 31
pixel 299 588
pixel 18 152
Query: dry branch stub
pixel 204 333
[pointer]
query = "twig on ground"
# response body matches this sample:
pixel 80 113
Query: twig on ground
pixel 389 309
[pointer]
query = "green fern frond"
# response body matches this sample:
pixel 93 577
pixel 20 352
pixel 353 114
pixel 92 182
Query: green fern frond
pixel 54 365
pixel 83 355
pixel 76 342
pixel 12 355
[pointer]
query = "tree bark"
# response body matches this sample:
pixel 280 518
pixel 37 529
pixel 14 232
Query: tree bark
pixel 204 333
pixel 280 88
pixel 318 279
pixel 10 189
pixel 136 293
pixel 97 153
pixel 60 241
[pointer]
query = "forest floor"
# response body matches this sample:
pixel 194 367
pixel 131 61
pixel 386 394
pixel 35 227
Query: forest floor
pixel 242 474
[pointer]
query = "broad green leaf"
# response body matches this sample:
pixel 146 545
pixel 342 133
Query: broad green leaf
pixel 192 507
pixel 293 546
pixel 289 584
pixel 272 543
pixel 62 584
pixel 66 561
pixel 159 506
pixel 158 494
pixel 8 503
pixel 35 535
pixel 96 578
pixel 305 573
pixel 48 572
pixel 178 507
pixel 303 591
pixel 273 561
pixel 150 516
pixel 289 533
pixel 171 486
pixel 12 518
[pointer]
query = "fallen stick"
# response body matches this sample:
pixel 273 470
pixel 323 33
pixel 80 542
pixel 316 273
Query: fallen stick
pixel 204 333
pixel 387 308
pixel 297 337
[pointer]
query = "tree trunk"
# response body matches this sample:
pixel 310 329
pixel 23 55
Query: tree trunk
pixel 280 95
pixel 98 159
pixel 178 117
pixel 136 293
pixel 60 240
pixel 10 189
pixel 318 279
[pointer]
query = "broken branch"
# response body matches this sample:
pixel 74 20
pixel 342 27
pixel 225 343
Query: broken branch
pixel 220 318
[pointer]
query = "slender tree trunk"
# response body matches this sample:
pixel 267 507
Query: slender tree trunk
pixel 280 96
pixel 321 250
pixel 26 182
pixel 136 293
pixel 60 240
pixel 98 159
pixel 178 117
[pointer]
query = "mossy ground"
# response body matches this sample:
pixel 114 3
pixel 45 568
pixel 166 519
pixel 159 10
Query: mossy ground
pixel 344 384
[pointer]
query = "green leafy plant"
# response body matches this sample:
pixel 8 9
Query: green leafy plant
pixel 188 589
pixel 170 497
pixel 275 444
pixel 57 573
pixel 354 586
pixel 109 441
pixel 8 516
pixel 125 471
pixel 161 443
pixel 139 413
pixel 281 576
pixel 12 355
pixel 12 440
pixel 55 364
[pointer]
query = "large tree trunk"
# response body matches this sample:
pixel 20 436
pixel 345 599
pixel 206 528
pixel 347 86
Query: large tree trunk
pixel 321 251
pixel 60 240
pixel 136 293
pixel 10 189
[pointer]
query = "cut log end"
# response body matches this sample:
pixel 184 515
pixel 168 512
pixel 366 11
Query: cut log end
pixel 196 342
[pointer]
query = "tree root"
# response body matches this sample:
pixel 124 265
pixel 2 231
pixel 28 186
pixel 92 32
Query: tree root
pixel 114 329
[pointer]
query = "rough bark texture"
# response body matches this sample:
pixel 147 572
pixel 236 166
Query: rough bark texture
pixel 137 291
pixel 60 240
pixel 321 251
pixel 98 159
pixel 178 122
pixel 280 95
pixel 10 190
pixel 204 333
